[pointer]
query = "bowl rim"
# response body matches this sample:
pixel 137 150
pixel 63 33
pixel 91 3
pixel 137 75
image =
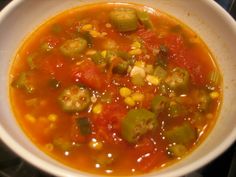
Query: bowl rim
pixel 56 170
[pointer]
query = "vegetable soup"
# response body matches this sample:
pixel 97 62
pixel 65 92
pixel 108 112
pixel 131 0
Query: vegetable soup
pixel 115 89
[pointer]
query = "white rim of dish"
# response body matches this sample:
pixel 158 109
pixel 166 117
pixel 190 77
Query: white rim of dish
pixel 52 169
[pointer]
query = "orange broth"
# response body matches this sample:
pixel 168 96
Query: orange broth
pixel 41 72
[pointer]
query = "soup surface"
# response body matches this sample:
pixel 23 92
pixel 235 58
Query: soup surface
pixel 115 89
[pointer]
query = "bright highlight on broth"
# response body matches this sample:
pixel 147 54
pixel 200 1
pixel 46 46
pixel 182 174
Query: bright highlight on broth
pixel 112 89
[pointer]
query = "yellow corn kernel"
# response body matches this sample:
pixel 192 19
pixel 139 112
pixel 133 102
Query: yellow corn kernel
pixel 30 118
pixel 95 145
pixel 209 116
pixel 52 117
pixel 137 96
pixel 214 95
pixel 136 45
pixel 129 101
pixel 103 34
pixel 152 79
pixel 125 92
pixel 93 99
pixel 140 64
pixel 136 70
pixel 108 25
pixel 97 109
pixel 135 52
pixel 90 52
pixel 149 69
pixel 87 27
pixel 104 53
pixel 94 33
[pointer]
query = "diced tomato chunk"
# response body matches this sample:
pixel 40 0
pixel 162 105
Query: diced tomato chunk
pixel 149 38
pixel 52 40
pixel 89 74
pixel 52 64
pixel 181 56
pixel 108 122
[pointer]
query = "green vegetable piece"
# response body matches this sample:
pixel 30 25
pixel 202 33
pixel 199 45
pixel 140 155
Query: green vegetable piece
pixel 203 100
pixel 164 89
pixel 177 150
pixel 199 119
pixel 73 47
pixel 176 28
pixel 105 159
pixel 30 60
pixel 163 50
pixel 54 83
pixel 183 134
pixel 106 97
pixel 159 103
pixel 118 53
pixel 111 53
pixel 124 19
pixel 74 99
pixel 46 47
pixel 160 72
pixel 178 80
pixel 214 79
pixel 176 109
pixel 99 59
pixel 84 125
pixel 137 123
pixel 56 28
pixel 62 144
pixel 121 68
pixel 122 54
pixel 23 82
pixel 86 35
pixel 162 56
pixel 144 18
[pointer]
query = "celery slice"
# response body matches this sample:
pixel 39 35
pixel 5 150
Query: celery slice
pixel 214 79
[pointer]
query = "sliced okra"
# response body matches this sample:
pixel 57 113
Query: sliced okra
pixel 73 47
pixel 124 19
pixel 137 123
pixel 74 99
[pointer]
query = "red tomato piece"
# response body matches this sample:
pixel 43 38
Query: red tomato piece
pixel 52 41
pixel 174 43
pixel 181 56
pixel 89 74
pixel 107 124
pixel 149 38
pixel 53 64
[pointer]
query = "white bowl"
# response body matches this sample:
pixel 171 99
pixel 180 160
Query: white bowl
pixel 209 20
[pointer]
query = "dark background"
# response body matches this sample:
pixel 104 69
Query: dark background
pixel 224 166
